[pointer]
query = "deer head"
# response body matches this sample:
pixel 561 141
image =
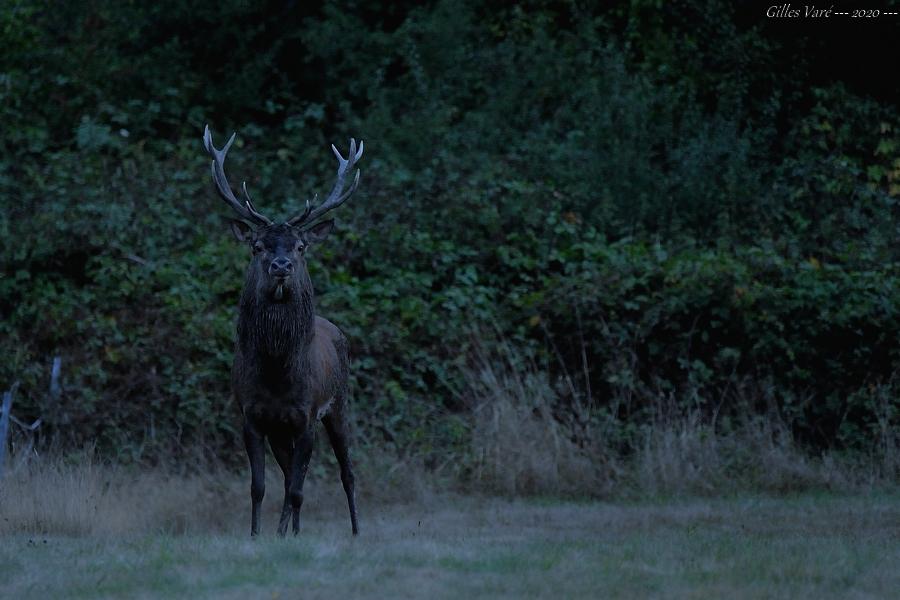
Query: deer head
pixel 278 265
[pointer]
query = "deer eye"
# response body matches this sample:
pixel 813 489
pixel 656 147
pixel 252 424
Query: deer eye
pixel 300 247
pixel 258 247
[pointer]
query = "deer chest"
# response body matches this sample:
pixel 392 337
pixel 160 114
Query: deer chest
pixel 269 413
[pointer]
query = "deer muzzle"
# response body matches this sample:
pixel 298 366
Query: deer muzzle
pixel 281 267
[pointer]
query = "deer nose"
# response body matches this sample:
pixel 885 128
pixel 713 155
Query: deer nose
pixel 281 267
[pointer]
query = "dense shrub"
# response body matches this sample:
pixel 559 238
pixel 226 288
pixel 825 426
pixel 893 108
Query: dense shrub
pixel 744 330
pixel 620 196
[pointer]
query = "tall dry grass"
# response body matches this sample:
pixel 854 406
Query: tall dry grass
pixel 518 446
pixel 84 496
pixel 687 455
pixel 530 438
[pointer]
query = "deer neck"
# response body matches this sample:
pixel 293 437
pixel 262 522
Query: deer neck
pixel 278 330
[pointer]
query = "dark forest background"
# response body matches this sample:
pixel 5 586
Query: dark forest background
pixel 652 209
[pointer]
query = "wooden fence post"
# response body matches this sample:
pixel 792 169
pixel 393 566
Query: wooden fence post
pixel 54 378
pixel 4 423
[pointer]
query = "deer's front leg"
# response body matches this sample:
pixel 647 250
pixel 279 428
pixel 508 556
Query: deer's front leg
pixel 256 452
pixel 303 446
pixel 283 449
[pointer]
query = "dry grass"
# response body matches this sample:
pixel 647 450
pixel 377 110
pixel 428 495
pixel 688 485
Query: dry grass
pixel 518 448
pixel 87 530
pixel 520 445
pixel 86 497
pixel 688 456
pixel 693 515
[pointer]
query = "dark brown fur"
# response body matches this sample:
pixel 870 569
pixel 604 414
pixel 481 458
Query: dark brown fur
pixel 290 366
pixel 290 369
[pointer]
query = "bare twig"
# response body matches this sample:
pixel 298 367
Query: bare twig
pixel 559 358
pixel 584 359
pixel 136 259
pixel 25 425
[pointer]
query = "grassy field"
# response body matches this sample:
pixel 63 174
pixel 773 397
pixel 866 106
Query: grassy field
pixel 450 546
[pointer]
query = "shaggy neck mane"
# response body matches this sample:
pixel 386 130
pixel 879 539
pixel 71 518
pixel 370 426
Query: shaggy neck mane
pixel 277 329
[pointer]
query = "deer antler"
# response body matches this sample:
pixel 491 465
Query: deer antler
pixel 246 210
pixel 338 195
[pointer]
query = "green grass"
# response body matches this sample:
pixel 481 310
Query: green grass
pixel 807 546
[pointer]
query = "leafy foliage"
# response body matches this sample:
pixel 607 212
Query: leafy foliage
pixel 650 211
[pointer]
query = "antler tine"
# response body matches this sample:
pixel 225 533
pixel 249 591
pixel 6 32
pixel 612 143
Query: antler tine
pixel 338 195
pixel 249 202
pixel 246 210
pixel 298 219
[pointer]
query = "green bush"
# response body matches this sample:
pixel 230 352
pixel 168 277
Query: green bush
pixel 727 332
pixel 647 215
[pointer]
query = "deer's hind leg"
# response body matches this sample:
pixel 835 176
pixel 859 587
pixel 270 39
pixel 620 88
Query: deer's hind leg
pixel 339 435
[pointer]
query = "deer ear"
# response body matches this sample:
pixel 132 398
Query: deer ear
pixel 241 231
pixel 319 231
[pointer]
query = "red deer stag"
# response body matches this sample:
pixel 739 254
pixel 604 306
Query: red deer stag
pixel 290 365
